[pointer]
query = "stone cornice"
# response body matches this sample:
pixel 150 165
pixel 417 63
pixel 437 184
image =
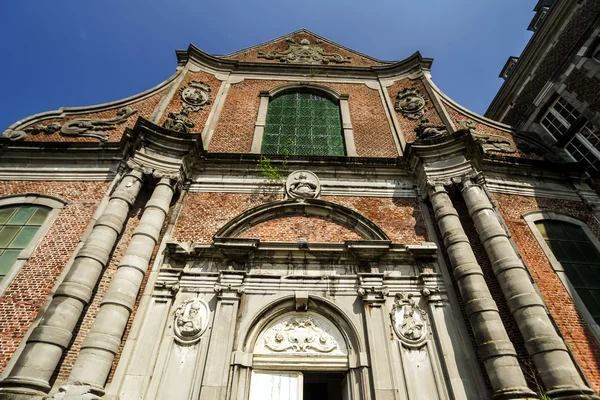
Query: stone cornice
pixel 193 54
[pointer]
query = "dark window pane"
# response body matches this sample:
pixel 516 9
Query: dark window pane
pixel 7 234
pixel 7 259
pixel 22 215
pixel 24 237
pixel 5 214
pixel 38 216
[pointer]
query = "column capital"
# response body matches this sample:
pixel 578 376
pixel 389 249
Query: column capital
pixel 160 173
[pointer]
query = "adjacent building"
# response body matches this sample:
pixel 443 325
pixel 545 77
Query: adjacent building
pixel 296 220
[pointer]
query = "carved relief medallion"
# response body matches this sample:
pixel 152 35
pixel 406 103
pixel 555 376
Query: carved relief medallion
pixel 410 103
pixel 408 319
pixel 196 94
pixel 299 335
pixel 191 319
pixel 303 185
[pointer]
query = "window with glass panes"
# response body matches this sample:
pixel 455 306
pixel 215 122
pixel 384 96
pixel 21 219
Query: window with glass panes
pixel 584 147
pixel 18 225
pixel 579 258
pixel 303 123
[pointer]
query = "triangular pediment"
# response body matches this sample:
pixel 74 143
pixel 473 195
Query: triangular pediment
pixel 304 47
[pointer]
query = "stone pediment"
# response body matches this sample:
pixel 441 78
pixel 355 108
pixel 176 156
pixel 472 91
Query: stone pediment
pixel 305 48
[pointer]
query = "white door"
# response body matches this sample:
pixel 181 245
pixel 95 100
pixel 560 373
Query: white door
pixel 270 385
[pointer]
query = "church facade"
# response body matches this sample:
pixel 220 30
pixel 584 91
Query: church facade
pixel 294 221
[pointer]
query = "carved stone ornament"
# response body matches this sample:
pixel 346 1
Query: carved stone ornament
pixel 488 141
pixel 408 319
pixel 304 53
pixel 299 335
pixel 411 103
pixel 427 130
pixel 179 122
pixel 80 127
pixel 196 94
pixel 302 185
pixel 191 319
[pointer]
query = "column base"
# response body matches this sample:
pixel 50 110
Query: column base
pixel 21 394
pixel 572 394
pixel 523 393
pixel 79 391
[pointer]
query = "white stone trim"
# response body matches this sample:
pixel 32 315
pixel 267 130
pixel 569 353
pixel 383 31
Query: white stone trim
pixel 531 218
pixel 39 200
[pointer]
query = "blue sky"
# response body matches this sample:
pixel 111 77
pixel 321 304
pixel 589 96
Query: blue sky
pixel 76 53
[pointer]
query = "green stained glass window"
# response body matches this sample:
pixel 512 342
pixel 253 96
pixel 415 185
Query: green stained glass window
pixel 18 225
pixel 579 258
pixel 303 123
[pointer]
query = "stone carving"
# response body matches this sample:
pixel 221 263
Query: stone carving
pixel 179 122
pixel 304 53
pixel 411 103
pixel 81 127
pixel 488 141
pixel 191 318
pixel 303 185
pixel 193 97
pixel 196 94
pixel 427 130
pixel 408 318
pixel 299 335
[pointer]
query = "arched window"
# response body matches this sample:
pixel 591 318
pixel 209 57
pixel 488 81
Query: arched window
pixel 18 226
pixel 574 253
pixel 579 258
pixel 303 123
pixel 24 220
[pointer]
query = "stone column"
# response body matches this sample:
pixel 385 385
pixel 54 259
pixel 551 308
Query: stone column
pixel 47 342
pixel 104 338
pixel 377 326
pixel 494 347
pixel 546 348
pixel 220 346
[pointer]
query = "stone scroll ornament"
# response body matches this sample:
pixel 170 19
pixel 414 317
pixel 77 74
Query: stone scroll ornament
pixel 299 335
pixel 304 53
pixel 191 319
pixel 410 103
pixel 80 127
pixel 302 185
pixel 193 98
pixel 408 319
pixel 489 141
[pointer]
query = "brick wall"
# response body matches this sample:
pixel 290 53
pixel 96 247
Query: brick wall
pixel 548 67
pixel 586 88
pixel 281 45
pixel 408 125
pixel 235 129
pixel 144 109
pixel 203 214
pixel 25 296
pixel 581 341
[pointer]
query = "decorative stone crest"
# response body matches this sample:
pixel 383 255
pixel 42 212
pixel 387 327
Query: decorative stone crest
pixel 193 97
pixel 426 130
pixel 411 103
pixel 191 318
pixel 408 319
pixel 304 53
pixel 302 185
pixel 299 335
pixel 196 94
pixel 80 127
